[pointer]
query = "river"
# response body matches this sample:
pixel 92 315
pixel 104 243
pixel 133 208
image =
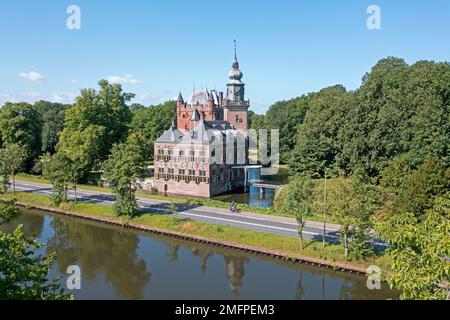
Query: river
pixel 123 264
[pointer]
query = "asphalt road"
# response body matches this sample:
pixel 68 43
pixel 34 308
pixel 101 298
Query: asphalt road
pixel 244 220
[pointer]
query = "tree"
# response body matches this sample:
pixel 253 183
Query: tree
pixel 317 140
pixel 430 180
pixel 123 167
pixel 352 204
pixel 96 122
pixel 399 110
pixel 52 115
pixel 148 124
pixel 59 169
pixel 24 273
pixel 420 250
pixel 286 117
pixel 298 199
pixel 21 124
pixel 12 158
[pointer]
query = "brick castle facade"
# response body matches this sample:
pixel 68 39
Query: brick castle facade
pixel 204 153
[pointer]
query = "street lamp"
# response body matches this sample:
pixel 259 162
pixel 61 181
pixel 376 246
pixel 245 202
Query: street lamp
pixel 325 209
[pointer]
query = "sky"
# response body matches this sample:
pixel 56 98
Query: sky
pixel 285 48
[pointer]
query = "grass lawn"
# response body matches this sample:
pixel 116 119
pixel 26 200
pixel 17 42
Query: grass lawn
pixel 282 244
pixel 197 201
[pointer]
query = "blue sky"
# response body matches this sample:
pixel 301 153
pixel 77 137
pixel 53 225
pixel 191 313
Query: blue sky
pixel 155 48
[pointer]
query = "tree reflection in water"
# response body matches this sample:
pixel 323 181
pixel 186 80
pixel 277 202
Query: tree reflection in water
pixel 114 257
pixel 100 251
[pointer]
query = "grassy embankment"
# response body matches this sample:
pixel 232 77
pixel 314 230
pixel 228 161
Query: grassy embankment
pixel 284 245
pixel 197 201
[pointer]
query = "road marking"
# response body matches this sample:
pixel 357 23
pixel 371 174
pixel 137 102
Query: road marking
pixel 256 224
pixel 201 216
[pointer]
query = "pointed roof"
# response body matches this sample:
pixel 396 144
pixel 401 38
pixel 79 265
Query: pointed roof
pixel 170 135
pixel 199 134
pixel 180 97
pixel 195 116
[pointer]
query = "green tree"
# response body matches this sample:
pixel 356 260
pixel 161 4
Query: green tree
pixel 59 169
pixel 298 199
pixel 285 116
pixel 21 124
pixel 96 122
pixel 12 159
pixel 352 204
pixel 52 115
pixel 122 169
pixel 430 180
pixel 317 144
pixel 148 124
pixel 420 251
pixel 24 273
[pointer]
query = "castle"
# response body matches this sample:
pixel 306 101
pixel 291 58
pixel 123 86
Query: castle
pixel 205 153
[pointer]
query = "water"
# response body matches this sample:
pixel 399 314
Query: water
pixel 122 264
pixel 253 197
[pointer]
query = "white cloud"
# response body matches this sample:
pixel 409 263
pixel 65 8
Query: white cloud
pixel 62 97
pixel 33 96
pixel 32 76
pixel 126 79
pixel 149 98
pixel 74 81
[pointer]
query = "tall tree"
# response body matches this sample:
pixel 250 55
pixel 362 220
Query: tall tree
pixel 352 204
pixel 52 115
pixel 298 199
pixel 21 124
pixel 12 159
pixel 122 169
pixel 286 116
pixel 148 124
pixel 94 124
pixel 317 140
pixel 60 170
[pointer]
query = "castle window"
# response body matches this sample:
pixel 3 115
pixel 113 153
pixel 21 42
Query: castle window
pixel 182 173
pixel 191 175
pixel 160 154
pixel 170 154
pixel 160 173
pixel 170 174
pixel 202 174
pixel 181 155
pixel 191 155
pixel 202 156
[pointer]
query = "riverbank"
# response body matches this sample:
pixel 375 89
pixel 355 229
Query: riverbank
pixel 276 246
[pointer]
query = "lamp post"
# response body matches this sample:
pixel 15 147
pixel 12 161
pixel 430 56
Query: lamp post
pixel 325 209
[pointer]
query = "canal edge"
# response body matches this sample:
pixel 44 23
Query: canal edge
pixel 209 241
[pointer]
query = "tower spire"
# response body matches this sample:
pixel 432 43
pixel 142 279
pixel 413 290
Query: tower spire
pixel 235 51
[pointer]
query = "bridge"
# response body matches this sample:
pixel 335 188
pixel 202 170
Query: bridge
pixel 266 184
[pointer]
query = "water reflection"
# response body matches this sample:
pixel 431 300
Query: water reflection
pixel 118 264
pixel 253 197
pixel 98 251
pixel 235 268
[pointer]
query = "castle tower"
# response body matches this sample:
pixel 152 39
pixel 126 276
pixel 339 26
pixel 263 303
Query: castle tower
pixel 235 106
